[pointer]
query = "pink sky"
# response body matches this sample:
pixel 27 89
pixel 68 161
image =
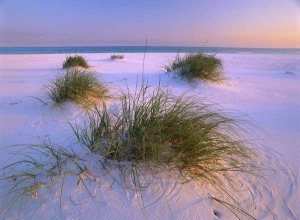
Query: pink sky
pixel 228 23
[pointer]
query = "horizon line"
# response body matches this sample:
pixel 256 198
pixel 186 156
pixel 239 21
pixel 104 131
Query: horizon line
pixel 82 46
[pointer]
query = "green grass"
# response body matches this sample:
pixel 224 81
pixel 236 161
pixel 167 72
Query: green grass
pixel 196 66
pixel 77 85
pixel 168 131
pixel 117 57
pixel 175 134
pixel 151 132
pixel 75 61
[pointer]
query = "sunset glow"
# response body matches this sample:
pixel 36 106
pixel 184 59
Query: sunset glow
pixel 231 23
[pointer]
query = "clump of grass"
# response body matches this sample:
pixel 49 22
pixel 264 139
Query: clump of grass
pixel 77 85
pixel 159 131
pixel 75 61
pixel 164 132
pixel 117 57
pixel 168 131
pixel 196 66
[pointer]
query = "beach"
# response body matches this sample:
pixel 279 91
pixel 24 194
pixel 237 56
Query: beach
pixel 260 88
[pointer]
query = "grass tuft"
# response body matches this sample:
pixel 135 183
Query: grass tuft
pixel 75 61
pixel 196 66
pixel 77 85
pixel 117 57
pixel 168 131
pixel 158 132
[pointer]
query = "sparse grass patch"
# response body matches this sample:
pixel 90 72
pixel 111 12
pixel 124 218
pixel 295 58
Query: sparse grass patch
pixel 77 85
pixel 75 61
pixel 46 166
pixel 196 66
pixel 117 57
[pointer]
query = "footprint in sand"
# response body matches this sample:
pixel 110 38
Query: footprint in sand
pixel 37 123
pixel 217 213
pixel 15 103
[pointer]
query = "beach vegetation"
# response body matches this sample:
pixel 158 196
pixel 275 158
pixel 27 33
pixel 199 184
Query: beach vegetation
pixel 75 61
pixel 165 130
pixel 206 67
pixel 117 57
pixel 46 165
pixel 170 133
pixel 151 131
pixel 77 85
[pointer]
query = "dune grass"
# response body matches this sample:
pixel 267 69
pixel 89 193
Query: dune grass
pixel 166 131
pixel 146 129
pixel 77 85
pixel 75 61
pixel 196 66
pixel 175 134
pixel 117 57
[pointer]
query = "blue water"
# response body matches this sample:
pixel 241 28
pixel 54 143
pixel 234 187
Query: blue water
pixel 138 49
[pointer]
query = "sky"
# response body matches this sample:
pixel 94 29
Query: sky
pixel 220 23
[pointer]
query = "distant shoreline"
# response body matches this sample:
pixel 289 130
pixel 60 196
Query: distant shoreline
pixel 140 49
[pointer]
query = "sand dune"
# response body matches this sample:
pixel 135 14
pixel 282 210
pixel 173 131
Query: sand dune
pixel 258 87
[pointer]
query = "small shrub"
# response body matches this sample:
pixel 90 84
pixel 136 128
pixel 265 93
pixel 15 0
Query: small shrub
pixel 77 85
pixel 75 61
pixel 117 57
pixel 196 66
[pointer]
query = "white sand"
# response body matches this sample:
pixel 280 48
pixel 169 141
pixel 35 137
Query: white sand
pixel 258 88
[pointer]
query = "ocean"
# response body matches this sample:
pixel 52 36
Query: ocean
pixel 140 49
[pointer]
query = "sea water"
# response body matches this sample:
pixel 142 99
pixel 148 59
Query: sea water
pixel 140 49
